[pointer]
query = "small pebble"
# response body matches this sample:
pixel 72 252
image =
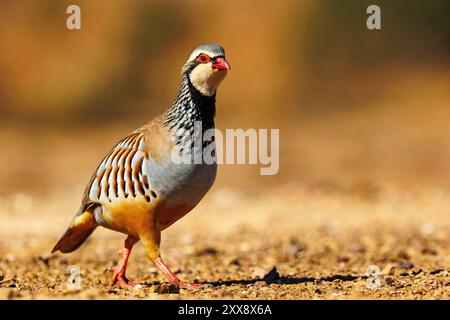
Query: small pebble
pixel 404 264
pixel 272 276
pixel 389 281
pixel 167 288
pixel 389 269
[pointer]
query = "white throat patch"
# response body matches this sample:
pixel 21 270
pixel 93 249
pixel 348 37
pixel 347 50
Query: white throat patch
pixel 206 79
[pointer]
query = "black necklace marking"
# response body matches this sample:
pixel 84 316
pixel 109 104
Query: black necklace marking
pixel 190 106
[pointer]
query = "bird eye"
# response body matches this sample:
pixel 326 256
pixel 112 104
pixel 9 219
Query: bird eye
pixel 203 58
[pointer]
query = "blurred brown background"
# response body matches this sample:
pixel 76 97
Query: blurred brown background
pixel 356 108
pixel 364 119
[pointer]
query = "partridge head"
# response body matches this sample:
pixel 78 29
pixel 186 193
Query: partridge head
pixel 206 68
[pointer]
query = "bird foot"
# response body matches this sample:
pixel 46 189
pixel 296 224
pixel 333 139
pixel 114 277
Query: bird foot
pixel 123 282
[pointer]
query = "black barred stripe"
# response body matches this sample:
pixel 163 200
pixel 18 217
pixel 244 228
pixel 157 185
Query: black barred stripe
pixel 136 171
pixel 120 173
pixel 106 183
pixel 128 170
pixel 145 182
pixel 123 171
pixel 116 173
pixel 114 181
pixel 99 181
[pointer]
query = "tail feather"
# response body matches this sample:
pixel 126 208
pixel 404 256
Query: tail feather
pixel 79 230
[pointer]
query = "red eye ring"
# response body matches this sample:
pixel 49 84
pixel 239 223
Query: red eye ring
pixel 203 58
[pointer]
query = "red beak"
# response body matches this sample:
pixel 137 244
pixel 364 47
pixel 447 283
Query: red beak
pixel 221 64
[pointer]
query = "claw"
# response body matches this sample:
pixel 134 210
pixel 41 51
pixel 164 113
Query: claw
pixel 125 283
pixel 174 279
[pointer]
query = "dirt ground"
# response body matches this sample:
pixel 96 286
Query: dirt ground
pixel 360 208
pixel 355 212
pixel 291 243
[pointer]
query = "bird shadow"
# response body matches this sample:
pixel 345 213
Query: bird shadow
pixel 285 280
pixel 273 277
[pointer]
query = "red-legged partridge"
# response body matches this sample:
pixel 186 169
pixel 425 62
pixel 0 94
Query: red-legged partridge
pixel 138 189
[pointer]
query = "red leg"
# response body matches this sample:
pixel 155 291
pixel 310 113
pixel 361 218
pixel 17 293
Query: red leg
pixel 173 278
pixel 151 241
pixel 119 270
